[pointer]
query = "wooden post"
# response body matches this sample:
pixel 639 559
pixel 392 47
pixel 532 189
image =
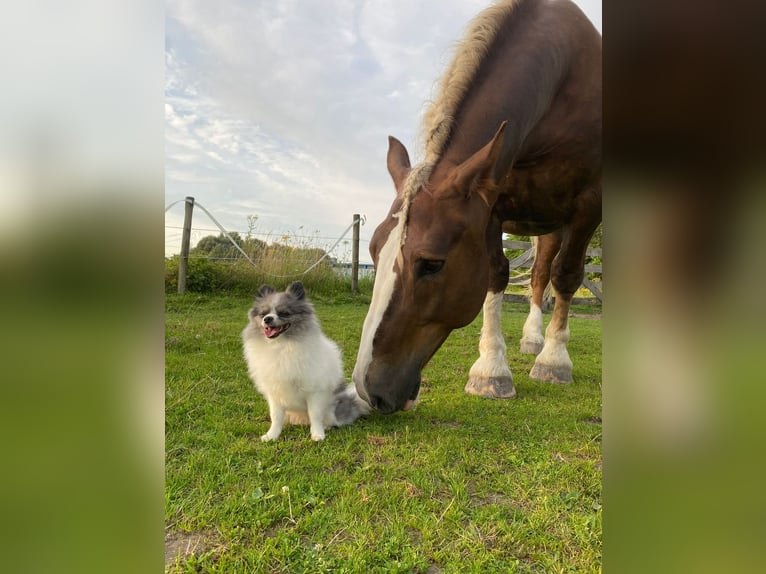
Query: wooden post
pixel 183 263
pixel 355 256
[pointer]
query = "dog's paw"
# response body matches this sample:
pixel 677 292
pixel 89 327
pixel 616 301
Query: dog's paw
pixel 317 437
pixel 267 437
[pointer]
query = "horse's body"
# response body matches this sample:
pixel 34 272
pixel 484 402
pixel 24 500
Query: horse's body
pixel 512 144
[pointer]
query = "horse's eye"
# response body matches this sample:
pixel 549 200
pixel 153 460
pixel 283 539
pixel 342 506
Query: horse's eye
pixel 429 266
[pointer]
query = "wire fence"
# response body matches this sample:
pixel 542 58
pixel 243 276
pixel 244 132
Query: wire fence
pixel 282 255
pixel 294 254
pixel 295 239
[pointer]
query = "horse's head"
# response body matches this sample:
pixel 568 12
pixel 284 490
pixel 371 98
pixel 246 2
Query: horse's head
pixel 431 262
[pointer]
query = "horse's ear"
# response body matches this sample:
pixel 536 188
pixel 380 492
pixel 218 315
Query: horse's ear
pixel 480 169
pixel 398 161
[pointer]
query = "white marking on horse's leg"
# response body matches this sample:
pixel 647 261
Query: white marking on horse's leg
pixel 385 278
pixel 490 375
pixel 553 363
pixel 532 335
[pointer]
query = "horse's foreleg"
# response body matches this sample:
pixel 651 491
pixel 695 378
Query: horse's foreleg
pixel 490 375
pixel 547 246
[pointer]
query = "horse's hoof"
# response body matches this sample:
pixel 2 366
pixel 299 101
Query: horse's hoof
pixel 561 374
pixel 531 346
pixel 491 387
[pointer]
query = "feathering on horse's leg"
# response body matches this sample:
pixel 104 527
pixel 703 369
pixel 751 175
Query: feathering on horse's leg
pixel 553 363
pixel 567 271
pixel 546 247
pixel 532 340
pixel 490 376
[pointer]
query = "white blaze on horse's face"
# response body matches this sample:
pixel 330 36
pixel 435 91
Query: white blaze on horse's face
pixel 419 296
pixel 385 279
pixel 431 267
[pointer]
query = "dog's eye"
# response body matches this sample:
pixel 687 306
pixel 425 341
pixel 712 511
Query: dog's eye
pixel 429 266
pixel 283 314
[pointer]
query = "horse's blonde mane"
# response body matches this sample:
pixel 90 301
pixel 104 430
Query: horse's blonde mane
pixel 439 118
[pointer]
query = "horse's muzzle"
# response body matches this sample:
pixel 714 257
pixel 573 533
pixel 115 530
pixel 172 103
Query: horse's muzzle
pixel 381 405
pixel 388 398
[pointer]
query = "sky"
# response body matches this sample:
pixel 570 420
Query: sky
pixel 281 109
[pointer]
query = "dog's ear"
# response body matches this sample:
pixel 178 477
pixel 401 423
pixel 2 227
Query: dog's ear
pixel 296 290
pixel 265 290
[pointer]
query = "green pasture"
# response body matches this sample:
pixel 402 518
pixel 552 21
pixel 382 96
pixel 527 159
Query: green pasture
pixel 459 484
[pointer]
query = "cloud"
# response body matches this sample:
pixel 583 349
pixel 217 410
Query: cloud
pixel 284 107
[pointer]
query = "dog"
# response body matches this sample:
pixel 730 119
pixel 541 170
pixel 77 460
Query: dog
pixel 297 369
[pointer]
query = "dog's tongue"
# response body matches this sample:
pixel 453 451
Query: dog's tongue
pixel 271 332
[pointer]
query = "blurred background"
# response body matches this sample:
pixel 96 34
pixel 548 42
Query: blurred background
pixel 81 238
pixel 81 261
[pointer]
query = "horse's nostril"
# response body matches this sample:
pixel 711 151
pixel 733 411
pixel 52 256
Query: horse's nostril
pixel 380 405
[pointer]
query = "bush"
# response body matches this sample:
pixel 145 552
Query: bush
pixel 202 276
pixel 206 276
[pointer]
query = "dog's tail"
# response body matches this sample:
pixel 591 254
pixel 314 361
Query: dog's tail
pixel 349 406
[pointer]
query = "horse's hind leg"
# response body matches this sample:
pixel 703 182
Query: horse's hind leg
pixel 553 363
pixel 490 375
pixel 532 336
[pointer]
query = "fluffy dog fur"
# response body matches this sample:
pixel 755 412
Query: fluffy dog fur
pixel 295 366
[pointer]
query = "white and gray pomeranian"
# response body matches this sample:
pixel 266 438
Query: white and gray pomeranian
pixel 295 366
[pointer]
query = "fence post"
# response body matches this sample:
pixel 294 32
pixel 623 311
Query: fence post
pixel 355 256
pixel 183 263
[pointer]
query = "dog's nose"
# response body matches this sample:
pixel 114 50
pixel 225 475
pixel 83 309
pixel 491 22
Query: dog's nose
pixel 268 319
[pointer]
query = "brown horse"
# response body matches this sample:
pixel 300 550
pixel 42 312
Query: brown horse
pixel 512 144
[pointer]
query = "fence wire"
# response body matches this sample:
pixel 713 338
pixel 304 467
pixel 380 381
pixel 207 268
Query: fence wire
pixel 361 220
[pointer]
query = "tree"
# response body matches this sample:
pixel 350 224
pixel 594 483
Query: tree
pixel 219 247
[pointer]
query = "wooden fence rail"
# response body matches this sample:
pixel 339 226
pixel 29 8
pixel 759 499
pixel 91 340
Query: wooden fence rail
pixel 594 287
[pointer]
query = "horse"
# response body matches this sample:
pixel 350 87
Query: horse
pixel 512 144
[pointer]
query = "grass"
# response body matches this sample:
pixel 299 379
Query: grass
pixel 459 484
